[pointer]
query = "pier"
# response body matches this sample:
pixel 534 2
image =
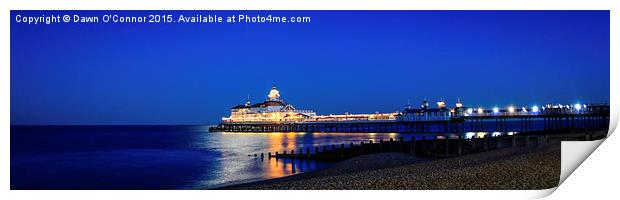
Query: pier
pixel 276 115
pixel 473 123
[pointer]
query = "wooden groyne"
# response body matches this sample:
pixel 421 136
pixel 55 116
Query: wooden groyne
pixel 433 147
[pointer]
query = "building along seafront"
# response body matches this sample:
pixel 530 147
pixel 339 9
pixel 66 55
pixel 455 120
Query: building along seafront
pixel 272 110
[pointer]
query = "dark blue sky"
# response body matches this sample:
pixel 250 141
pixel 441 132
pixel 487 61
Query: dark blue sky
pixel 343 61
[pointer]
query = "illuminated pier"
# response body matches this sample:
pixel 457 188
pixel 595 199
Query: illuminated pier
pixel 275 115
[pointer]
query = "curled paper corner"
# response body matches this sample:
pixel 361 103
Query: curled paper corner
pixel 574 153
pixel 614 116
pixel 542 193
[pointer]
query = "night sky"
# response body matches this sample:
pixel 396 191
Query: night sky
pixel 343 61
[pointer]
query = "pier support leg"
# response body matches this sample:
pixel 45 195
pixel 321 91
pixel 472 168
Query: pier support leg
pixel 527 141
pixel 498 142
pixel 486 143
pixel 460 146
pixel 447 146
pixel 413 146
pixel 473 144
pixel 435 147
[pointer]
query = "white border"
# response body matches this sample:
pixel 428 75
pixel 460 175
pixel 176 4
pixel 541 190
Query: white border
pixel 585 189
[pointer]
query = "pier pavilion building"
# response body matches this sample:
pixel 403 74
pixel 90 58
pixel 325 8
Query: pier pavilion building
pixel 426 113
pixel 272 110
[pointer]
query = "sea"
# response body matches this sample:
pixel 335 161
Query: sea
pixel 163 157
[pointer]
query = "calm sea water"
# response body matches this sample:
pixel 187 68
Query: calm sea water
pixel 159 157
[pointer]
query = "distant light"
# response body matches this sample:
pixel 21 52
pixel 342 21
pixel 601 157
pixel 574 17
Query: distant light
pixel 470 135
pixel 496 134
pixel 584 106
pixel 511 109
pixel 470 111
pixel 535 108
pixel 495 110
pixel 480 111
pixel 523 109
pixel 441 104
pixel 578 107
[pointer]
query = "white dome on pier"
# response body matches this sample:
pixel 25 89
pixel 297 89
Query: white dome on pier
pixel 274 94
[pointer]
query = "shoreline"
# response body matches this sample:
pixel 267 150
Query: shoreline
pixel 511 169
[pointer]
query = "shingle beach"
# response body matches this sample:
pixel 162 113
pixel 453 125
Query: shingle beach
pixel 518 168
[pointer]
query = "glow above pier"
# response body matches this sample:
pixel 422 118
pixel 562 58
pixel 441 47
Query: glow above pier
pixel 578 107
pixel 535 109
